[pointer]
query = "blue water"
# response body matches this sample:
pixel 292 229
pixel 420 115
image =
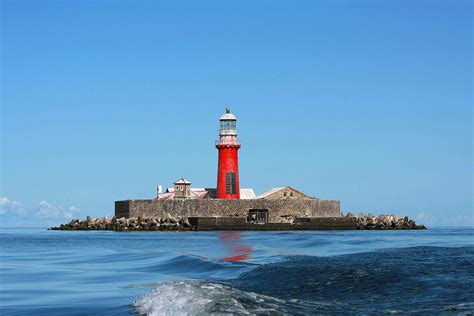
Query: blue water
pixel 164 273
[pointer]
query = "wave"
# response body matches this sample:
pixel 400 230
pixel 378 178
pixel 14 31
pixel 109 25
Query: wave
pixel 421 280
pixel 204 298
pixel 196 267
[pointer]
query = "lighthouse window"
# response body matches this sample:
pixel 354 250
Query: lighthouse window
pixel 230 183
pixel 228 125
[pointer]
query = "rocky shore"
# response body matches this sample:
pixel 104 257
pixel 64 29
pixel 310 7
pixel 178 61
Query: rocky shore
pixel 127 224
pixel 169 223
pixel 384 222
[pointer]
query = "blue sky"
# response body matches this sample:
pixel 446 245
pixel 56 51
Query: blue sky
pixel 362 101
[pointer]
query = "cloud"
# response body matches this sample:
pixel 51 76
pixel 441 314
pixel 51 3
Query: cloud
pixel 47 211
pixel 71 212
pixel 11 207
pixel 13 213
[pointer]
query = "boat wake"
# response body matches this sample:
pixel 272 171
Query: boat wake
pixel 423 280
pixel 204 298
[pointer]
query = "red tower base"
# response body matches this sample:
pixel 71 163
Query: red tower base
pixel 228 173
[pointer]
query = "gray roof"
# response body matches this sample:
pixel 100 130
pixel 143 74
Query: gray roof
pixel 247 194
pixel 212 192
pixel 171 190
pixel 275 190
pixel 182 181
pixel 269 192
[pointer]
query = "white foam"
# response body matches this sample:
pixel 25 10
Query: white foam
pixel 203 298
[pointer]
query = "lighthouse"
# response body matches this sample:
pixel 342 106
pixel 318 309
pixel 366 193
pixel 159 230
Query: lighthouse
pixel 228 147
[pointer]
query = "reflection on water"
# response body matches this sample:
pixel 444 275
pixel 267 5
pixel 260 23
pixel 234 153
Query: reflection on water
pixel 234 247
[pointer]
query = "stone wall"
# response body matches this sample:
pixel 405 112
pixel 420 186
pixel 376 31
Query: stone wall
pixel 325 208
pixel 235 223
pixel 278 210
pixel 122 209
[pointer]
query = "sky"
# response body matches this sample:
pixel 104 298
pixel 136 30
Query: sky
pixel 366 102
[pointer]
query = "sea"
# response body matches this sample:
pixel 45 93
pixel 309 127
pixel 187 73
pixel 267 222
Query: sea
pixel 418 272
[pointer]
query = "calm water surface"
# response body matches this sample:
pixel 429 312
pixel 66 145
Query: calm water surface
pixel 155 273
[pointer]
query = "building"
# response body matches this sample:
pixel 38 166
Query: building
pixel 182 189
pixel 228 168
pixel 201 194
pixel 284 193
pixel 228 200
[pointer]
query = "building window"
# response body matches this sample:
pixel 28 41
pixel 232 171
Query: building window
pixel 291 194
pixel 284 194
pixel 230 183
pixel 257 216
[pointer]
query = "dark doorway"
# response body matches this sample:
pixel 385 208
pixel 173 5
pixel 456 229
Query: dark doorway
pixel 257 216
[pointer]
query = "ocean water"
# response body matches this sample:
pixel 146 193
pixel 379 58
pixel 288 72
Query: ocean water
pixel 198 273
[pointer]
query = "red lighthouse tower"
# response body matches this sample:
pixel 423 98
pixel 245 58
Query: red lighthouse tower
pixel 228 147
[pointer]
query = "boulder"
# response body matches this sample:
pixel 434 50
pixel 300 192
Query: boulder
pixel 185 222
pixel 172 220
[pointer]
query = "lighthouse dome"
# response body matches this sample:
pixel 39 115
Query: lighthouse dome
pixel 228 116
pixel 228 127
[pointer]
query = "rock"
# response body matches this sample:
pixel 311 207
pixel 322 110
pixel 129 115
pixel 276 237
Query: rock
pixel 169 225
pixel 167 222
pixel 172 220
pixel 383 222
pixel 185 222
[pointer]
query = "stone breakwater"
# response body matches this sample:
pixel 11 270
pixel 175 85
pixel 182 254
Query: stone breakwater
pixel 385 222
pixel 127 224
pixel 169 223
